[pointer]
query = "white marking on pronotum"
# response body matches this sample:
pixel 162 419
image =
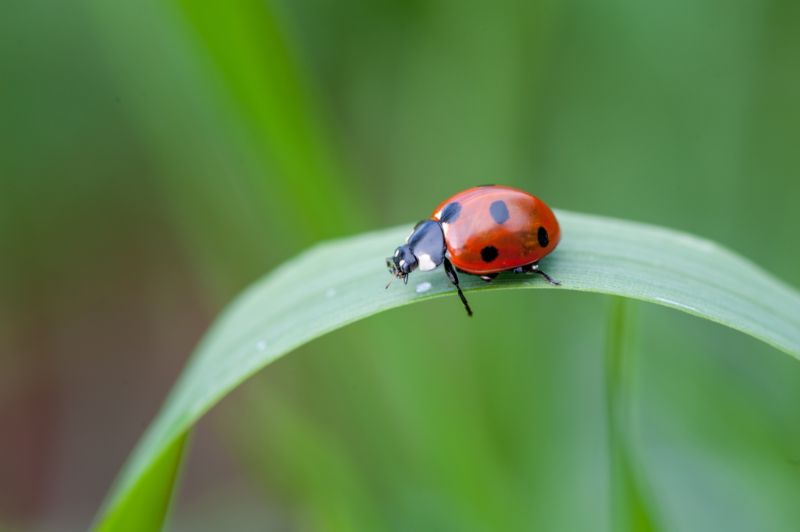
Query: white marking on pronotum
pixel 330 292
pixel 261 345
pixel 425 263
pixel 423 287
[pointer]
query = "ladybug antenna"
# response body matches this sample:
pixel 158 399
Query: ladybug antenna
pixel 390 282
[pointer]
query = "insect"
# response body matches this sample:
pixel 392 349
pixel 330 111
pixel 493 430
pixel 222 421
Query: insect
pixel 481 231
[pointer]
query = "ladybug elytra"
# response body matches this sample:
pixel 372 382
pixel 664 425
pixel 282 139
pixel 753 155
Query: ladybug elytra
pixel 481 231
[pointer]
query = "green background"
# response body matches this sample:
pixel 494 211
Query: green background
pixel 156 157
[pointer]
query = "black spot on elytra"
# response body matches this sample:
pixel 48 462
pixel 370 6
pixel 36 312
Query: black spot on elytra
pixel 541 234
pixel 489 253
pixel 450 213
pixel 499 211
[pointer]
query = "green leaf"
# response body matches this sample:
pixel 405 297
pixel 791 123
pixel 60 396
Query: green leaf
pixel 339 282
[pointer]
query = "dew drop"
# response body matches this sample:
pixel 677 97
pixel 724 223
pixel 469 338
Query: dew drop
pixel 423 287
pixel 261 345
pixel 330 292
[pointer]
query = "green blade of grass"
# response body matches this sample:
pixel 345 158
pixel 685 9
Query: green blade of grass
pixel 629 506
pixel 339 282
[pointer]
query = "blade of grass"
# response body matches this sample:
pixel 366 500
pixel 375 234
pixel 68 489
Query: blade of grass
pixel 629 503
pixel 256 58
pixel 342 281
pixel 152 493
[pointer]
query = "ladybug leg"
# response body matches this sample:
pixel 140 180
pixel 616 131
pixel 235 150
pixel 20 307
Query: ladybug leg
pixel 451 274
pixel 489 277
pixel 534 268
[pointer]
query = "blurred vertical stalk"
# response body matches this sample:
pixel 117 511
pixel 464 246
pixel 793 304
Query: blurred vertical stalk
pixel 258 60
pixel 628 510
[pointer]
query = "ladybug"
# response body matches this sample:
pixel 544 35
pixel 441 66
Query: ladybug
pixel 481 231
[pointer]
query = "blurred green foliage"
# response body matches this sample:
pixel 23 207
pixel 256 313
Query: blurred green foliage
pixel 151 141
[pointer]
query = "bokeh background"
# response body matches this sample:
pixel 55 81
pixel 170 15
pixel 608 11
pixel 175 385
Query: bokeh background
pixel 156 157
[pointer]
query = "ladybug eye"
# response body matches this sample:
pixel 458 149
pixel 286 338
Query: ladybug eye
pixel 402 262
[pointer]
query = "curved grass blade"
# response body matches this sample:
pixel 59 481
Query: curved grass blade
pixel 630 507
pixel 325 288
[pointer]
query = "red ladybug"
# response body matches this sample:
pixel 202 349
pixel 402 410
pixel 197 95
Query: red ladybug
pixel 481 231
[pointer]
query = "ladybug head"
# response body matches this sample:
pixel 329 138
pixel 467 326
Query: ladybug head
pixel 402 262
pixel 424 249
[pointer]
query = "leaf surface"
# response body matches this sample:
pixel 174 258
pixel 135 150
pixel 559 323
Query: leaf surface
pixel 342 281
